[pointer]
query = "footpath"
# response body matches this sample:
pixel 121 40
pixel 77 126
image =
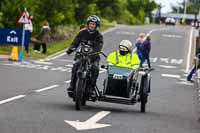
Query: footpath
pixel 4 57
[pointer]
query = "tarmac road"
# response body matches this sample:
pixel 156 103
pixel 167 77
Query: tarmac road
pixel 33 95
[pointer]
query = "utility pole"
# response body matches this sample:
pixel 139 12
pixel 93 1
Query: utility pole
pixel 185 11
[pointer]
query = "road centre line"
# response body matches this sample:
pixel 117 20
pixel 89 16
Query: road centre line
pixel 12 99
pixel 171 75
pixel 46 88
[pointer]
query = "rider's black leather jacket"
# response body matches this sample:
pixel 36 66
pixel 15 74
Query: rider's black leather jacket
pixel 95 39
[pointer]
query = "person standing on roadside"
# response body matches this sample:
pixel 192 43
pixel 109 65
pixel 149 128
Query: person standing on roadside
pixel 147 49
pixel 44 36
pixel 139 46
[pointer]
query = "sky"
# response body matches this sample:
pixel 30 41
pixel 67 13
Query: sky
pixel 167 3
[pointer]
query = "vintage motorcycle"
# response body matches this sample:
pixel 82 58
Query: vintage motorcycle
pixel 122 85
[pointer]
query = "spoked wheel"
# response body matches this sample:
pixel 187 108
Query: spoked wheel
pixel 79 93
pixel 143 102
pixel 143 95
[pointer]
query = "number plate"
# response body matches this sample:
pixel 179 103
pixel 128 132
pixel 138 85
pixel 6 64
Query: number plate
pixel 117 76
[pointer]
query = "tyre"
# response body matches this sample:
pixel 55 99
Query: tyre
pixel 143 103
pixel 143 95
pixel 79 93
pixel 84 99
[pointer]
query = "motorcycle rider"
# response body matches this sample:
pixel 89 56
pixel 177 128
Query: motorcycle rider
pixel 124 57
pixel 90 36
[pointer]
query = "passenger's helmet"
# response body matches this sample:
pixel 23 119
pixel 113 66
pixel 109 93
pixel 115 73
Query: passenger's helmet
pixel 125 45
pixel 95 19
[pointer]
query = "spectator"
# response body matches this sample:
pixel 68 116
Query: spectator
pixel 147 49
pixel 28 27
pixel 195 67
pixel 139 46
pixel 44 36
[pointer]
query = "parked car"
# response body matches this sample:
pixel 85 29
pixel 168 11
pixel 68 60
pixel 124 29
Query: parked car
pixel 170 21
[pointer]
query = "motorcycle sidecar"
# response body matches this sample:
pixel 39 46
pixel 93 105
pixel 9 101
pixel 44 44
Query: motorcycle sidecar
pixel 126 86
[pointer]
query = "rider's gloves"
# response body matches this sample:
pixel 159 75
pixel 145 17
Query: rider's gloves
pixel 69 51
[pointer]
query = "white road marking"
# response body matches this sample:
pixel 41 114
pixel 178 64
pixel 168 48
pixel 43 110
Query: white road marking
pixel 64 60
pixel 46 88
pixel 171 36
pixel 91 123
pixel 185 75
pixel 176 61
pixel 165 60
pixel 68 81
pixel 190 50
pixel 125 33
pixel 171 75
pixel 153 59
pixel 164 66
pixel 183 79
pixel 12 99
pixel 185 83
pixel 42 62
pixel 57 56
pixel 69 65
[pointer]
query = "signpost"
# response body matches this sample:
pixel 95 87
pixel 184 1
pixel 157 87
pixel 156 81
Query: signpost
pixel 24 19
pixel 13 36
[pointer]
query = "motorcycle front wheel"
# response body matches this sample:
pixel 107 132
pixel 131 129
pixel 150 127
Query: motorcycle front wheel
pixel 80 84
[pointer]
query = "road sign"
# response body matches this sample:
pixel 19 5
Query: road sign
pixel 13 36
pixel 24 19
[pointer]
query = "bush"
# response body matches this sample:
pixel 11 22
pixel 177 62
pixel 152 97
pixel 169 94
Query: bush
pixel 128 18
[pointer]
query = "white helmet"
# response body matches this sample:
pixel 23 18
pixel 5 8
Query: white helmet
pixel 125 45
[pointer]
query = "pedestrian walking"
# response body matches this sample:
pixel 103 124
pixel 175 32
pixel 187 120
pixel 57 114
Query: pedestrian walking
pixel 195 67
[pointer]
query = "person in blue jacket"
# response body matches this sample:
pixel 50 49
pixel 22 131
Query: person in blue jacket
pixel 139 46
pixel 146 49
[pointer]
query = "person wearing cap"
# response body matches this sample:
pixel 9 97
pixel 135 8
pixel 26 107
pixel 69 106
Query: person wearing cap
pixel 124 57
